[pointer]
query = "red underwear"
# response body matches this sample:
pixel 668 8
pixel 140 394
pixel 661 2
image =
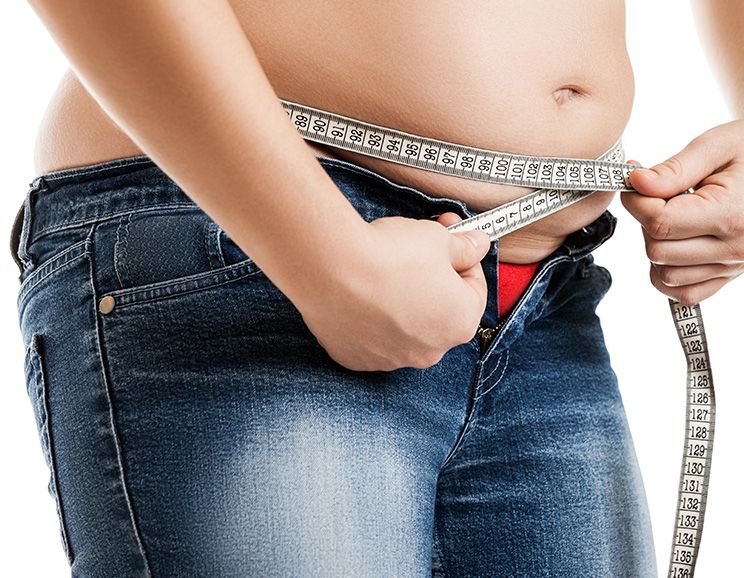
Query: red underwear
pixel 513 281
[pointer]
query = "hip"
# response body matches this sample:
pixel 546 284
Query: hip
pixel 150 331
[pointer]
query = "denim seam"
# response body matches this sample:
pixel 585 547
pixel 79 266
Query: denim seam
pixel 213 245
pixel 36 360
pixel 474 415
pixel 470 413
pixel 166 289
pixel 120 246
pixel 112 423
pixel 436 550
pixel 26 226
pixel 536 281
pixel 362 170
pixel 220 250
pixel 515 455
pixel 56 263
pixel 503 372
pixel 498 364
pixel 107 216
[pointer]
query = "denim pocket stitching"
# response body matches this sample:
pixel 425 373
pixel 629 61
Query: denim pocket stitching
pixel 62 259
pixel 37 384
pixel 219 273
pixel 205 236
pixel 183 285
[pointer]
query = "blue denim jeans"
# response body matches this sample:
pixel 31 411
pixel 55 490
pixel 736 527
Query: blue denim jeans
pixel 194 427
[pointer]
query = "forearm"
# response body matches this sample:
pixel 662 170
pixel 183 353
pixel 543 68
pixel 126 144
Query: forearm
pixel 182 80
pixel 720 25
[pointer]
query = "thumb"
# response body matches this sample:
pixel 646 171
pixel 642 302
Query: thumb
pixel 680 172
pixel 468 248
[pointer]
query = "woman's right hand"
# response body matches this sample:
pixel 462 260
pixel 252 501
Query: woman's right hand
pixel 417 291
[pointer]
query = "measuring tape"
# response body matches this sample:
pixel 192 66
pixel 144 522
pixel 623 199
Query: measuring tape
pixel 560 182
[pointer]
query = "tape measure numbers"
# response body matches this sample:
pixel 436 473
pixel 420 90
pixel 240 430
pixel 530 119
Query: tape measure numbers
pixel 560 182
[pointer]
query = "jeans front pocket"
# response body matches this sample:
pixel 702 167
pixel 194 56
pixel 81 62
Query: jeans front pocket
pixel 37 387
pixel 153 254
pixel 52 252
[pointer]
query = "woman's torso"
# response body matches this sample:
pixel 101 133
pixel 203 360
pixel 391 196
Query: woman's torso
pixel 533 77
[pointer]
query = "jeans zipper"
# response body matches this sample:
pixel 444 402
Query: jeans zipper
pixel 487 334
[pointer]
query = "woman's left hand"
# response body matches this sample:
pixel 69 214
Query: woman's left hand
pixel 695 241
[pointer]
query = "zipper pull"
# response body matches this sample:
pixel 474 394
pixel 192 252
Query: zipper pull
pixel 488 333
pixel 486 336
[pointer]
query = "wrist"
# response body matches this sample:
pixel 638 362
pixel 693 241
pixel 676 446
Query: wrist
pixel 330 265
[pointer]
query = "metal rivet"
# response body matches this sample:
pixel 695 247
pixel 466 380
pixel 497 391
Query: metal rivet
pixel 106 305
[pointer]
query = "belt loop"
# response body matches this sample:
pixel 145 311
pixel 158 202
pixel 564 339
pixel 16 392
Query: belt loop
pixel 21 233
pixel 15 235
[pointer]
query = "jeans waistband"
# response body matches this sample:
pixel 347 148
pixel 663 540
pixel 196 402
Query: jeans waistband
pixel 73 197
pixel 81 195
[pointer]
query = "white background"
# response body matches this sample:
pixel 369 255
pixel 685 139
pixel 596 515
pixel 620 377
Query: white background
pixel 676 99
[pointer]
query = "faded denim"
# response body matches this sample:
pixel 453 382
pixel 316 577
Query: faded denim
pixel 193 426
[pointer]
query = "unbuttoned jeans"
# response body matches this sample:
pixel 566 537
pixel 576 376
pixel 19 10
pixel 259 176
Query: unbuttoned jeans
pixel 193 425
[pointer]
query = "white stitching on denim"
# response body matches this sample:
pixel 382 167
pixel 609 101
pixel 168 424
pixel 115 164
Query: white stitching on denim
pixel 523 299
pixel 495 367
pixel 38 366
pixel 23 255
pixel 27 286
pixel 468 418
pixel 503 372
pixel 107 389
pixel 219 245
pixel 472 417
pixel 133 299
pixel 215 230
pixel 458 444
pixel 211 278
pixel 107 216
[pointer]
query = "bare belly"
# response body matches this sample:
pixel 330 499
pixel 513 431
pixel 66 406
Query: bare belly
pixel 534 77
